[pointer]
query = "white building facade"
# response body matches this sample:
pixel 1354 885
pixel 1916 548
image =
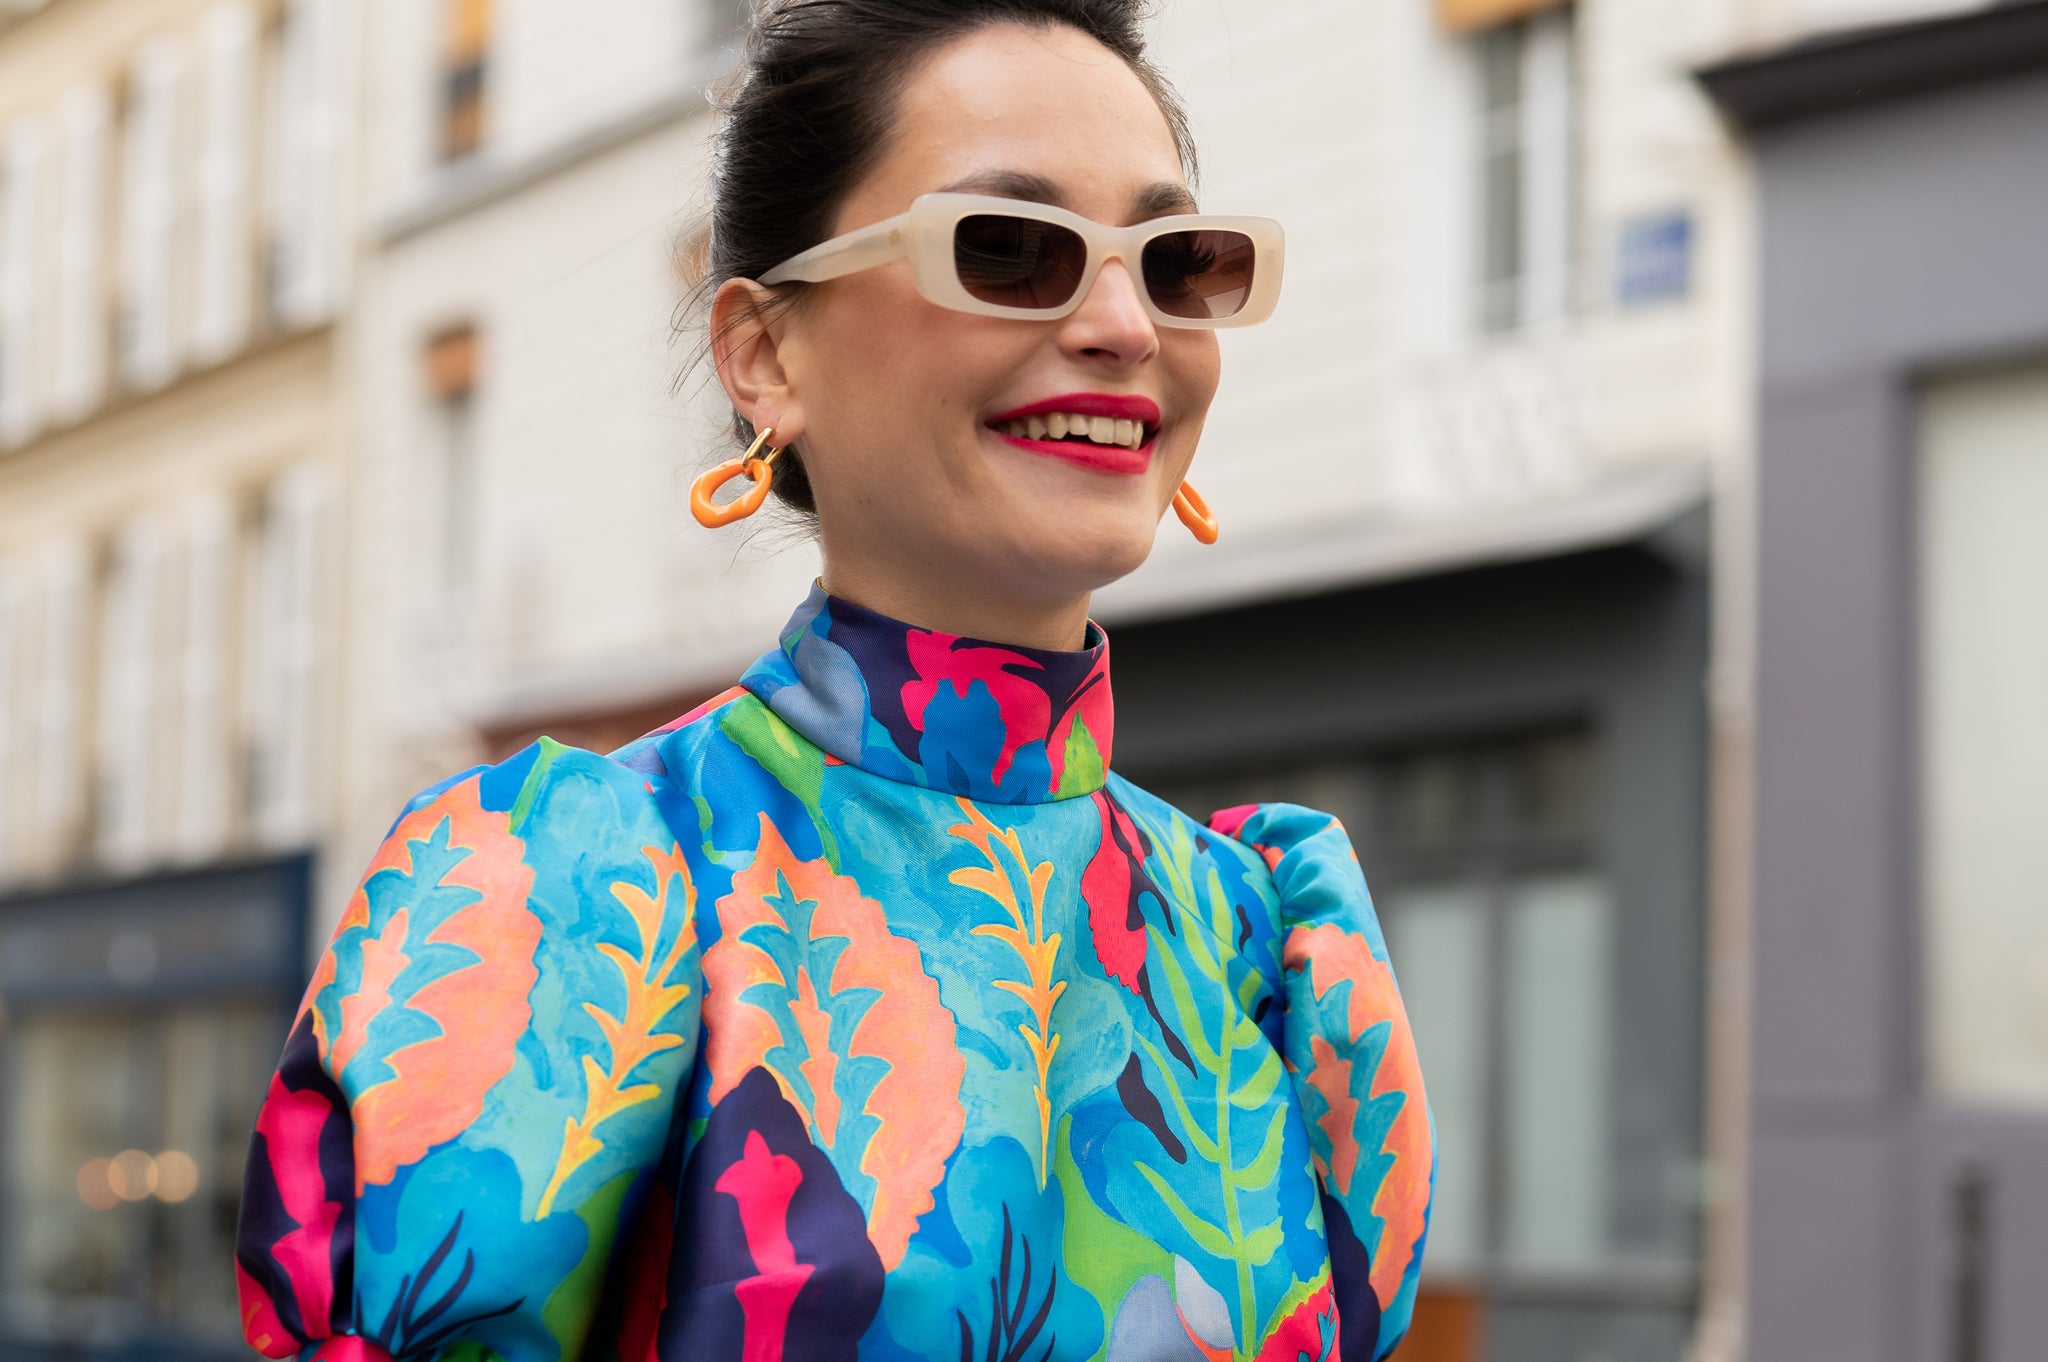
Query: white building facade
pixel 172 264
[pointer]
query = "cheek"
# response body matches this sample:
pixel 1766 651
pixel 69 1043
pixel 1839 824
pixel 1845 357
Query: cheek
pixel 1197 367
pixel 901 366
pixel 1194 366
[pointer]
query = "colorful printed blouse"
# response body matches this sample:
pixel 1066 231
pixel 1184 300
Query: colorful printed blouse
pixel 860 1013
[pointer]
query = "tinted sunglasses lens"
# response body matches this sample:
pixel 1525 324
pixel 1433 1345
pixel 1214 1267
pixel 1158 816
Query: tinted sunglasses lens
pixel 1018 262
pixel 1206 275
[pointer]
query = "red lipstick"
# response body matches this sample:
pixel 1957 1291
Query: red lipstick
pixel 1115 407
pixel 1086 453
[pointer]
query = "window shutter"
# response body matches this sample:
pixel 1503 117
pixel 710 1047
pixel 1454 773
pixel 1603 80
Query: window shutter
pixel 21 217
pixel 288 681
pixel 149 215
pixel 305 159
pixel 10 728
pixel 60 755
pixel 129 642
pixel 1548 173
pixel 202 757
pixel 228 43
pixel 81 313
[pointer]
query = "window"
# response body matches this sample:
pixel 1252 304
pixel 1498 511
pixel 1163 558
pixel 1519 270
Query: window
pixel 149 209
pixel 227 95
pixel 81 360
pixel 24 155
pixel 303 132
pixel 463 69
pixel 287 596
pixel 132 626
pixel 11 726
pixel 127 1136
pixel 143 1021
pixel 1527 170
pixel 60 758
pixel 201 768
pixel 1984 735
pixel 451 365
pixel 1507 941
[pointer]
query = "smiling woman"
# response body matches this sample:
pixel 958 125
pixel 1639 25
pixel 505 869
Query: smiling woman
pixel 866 1011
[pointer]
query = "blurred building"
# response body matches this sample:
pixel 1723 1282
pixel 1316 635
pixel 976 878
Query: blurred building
pixel 171 264
pixel 345 437
pixel 1899 1175
pixel 529 414
pixel 1467 478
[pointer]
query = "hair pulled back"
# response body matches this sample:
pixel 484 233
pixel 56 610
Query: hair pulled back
pixel 810 109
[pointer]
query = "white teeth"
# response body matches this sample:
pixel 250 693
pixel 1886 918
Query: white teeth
pixel 1060 425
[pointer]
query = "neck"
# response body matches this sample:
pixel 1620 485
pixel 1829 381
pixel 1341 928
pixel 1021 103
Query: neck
pixel 955 607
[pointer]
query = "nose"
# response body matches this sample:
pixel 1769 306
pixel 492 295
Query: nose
pixel 1111 326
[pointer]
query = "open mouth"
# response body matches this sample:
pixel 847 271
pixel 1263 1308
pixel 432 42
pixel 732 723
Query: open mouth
pixel 1108 432
pixel 1080 429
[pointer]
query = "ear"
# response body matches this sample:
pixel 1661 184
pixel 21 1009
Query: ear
pixel 745 347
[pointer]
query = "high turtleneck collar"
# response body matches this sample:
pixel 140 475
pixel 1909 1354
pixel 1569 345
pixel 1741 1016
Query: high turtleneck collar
pixel 991 721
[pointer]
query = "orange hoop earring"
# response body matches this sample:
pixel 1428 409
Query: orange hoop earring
pixel 1195 514
pixel 751 464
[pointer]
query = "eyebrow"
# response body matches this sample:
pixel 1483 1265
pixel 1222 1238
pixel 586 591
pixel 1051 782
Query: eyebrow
pixel 1154 200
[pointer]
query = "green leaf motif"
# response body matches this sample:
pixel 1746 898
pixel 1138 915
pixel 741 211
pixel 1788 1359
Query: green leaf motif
pixel 793 763
pixel 1082 770
pixel 1213 1015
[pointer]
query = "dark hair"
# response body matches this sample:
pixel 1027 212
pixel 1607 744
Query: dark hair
pixel 809 111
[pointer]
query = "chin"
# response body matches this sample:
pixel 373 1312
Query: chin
pixel 1088 552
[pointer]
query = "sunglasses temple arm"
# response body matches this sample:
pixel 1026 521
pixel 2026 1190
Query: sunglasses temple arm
pixel 858 250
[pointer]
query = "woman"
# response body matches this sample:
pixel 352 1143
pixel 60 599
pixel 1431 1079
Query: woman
pixel 864 1010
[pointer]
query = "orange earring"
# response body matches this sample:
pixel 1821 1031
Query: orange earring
pixel 751 464
pixel 1195 513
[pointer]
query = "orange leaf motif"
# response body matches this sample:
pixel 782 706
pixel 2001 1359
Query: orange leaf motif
pixel 478 1008
pixel 652 992
pixel 779 908
pixel 1331 1077
pixel 1331 956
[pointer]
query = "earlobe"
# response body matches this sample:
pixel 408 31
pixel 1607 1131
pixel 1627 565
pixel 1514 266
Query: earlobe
pixel 747 352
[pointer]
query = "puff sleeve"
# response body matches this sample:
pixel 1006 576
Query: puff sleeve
pixel 479 1081
pixel 1353 1062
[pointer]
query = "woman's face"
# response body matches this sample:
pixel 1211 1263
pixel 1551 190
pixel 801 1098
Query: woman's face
pixel 899 404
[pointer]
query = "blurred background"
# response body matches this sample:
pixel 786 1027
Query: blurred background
pixel 1635 527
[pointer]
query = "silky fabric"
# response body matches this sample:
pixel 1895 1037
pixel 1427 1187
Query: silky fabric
pixel 863 1012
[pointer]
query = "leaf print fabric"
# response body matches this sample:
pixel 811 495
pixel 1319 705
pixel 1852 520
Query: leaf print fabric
pixel 842 1015
pixel 863 1012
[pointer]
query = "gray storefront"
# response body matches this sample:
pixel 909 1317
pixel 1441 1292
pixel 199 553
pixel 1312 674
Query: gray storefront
pixel 1518 752
pixel 1899 1201
pixel 139 1023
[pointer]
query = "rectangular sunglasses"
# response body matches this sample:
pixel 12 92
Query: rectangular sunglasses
pixel 998 257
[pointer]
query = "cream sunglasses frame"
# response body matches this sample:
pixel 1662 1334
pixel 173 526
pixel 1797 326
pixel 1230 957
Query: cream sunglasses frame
pixel 925 236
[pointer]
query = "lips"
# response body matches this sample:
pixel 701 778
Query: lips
pixel 1117 407
pixel 1103 432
